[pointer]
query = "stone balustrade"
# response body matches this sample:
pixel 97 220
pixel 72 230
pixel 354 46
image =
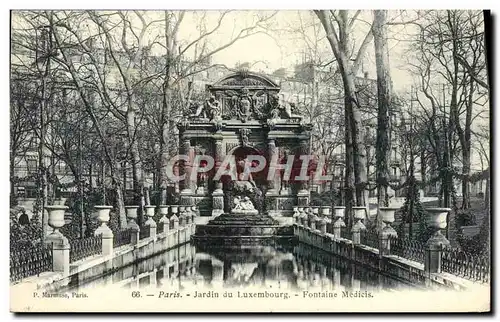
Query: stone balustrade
pixel 385 251
pixel 67 256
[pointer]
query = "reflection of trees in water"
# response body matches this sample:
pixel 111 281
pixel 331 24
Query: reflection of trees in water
pixel 304 268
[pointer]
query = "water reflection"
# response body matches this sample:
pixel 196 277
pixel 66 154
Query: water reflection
pixel 197 267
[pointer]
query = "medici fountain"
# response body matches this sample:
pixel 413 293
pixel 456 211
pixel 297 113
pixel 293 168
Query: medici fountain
pixel 245 120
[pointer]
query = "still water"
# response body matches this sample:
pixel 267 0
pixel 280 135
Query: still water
pixel 299 268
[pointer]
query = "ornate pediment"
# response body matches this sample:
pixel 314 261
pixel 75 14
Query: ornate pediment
pixel 243 96
pixel 244 78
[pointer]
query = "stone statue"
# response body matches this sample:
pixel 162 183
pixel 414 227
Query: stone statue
pixel 281 107
pixel 209 109
pixel 243 203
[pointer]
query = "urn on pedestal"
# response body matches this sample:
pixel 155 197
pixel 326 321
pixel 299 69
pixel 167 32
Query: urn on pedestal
pixel 56 218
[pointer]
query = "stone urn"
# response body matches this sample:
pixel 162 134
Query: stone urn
pixel 60 201
pixel 131 212
pixel 359 212
pixel 175 209
pixel 339 212
pixel 437 217
pixel 359 215
pixel 387 215
pixel 103 217
pixel 103 214
pixel 56 217
pixel 163 210
pixel 437 220
pixel 325 211
pixel 150 212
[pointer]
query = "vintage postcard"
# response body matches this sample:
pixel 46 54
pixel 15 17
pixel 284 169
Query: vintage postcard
pixel 250 161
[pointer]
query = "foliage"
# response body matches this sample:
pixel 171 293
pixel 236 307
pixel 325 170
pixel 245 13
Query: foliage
pixel 90 199
pixel 464 217
pixel 478 244
pixel 23 237
pixel 325 198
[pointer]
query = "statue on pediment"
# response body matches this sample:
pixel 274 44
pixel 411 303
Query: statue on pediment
pixel 209 109
pixel 281 108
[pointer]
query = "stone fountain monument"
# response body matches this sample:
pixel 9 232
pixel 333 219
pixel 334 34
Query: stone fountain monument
pixel 244 114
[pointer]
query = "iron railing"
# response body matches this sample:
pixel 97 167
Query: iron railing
pixel 159 228
pixel 121 238
pixel 30 262
pixel 145 232
pixel 82 248
pixel 460 263
pixel 370 238
pixel 346 233
pixel 409 249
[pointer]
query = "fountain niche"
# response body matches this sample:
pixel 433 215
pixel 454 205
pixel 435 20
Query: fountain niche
pixel 243 116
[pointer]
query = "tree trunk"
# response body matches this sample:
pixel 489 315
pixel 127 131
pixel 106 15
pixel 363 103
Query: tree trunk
pixel 164 140
pixel 384 92
pixel 119 200
pixel 137 174
pixel 349 168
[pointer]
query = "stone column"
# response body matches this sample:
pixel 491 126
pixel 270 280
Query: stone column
pixel 186 192
pixel 218 194
pixel 60 244
pixel 104 230
pixel 303 194
pixel 434 246
pixel 272 153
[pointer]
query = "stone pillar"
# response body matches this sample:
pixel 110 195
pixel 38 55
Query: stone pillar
pixel 218 194
pixel 359 215
pixel 173 238
pixel 272 153
pixel 186 192
pixel 193 218
pixel 339 213
pixel 164 219
pixel 60 244
pixel 135 230
pixel 131 212
pixel 150 212
pixel 388 216
pixel 434 246
pixel 303 186
pixel 322 226
pixel 104 230
pixel 296 215
pixel 182 216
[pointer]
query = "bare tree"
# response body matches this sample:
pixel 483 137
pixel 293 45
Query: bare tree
pixel 384 89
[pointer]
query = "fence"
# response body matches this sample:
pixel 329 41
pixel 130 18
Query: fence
pixel 82 248
pixel 369 238
pixel 145 232
pixel 346 233
pixel 123 237
pixel 409 249
pixel 160 228
pixel 460 263
pixel 30 262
